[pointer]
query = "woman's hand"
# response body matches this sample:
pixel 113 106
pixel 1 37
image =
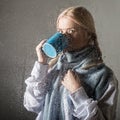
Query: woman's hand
pixel 71 81
pixel 42 58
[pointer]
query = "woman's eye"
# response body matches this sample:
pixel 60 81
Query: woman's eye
pixel 70 31
pixel 59 31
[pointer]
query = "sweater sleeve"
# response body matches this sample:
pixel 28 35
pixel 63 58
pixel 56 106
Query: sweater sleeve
pixel 85 108
pixel 35 91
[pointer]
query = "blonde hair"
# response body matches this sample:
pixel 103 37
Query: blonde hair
pixel 83 18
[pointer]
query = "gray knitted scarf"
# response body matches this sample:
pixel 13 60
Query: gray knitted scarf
pixel 92 78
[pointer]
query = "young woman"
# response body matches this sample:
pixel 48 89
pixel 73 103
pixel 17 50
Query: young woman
pixel 76 85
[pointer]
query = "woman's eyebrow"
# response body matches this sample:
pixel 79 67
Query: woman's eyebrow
pixel 67 28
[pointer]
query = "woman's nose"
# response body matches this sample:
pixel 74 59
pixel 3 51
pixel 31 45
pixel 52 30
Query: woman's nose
pixel 64 32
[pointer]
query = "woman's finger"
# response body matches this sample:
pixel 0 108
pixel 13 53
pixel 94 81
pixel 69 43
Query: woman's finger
pixel 40 44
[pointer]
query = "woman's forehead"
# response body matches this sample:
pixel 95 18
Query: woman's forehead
pixel 66 22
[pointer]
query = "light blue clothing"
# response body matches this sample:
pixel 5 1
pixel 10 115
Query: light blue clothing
pixel 95 100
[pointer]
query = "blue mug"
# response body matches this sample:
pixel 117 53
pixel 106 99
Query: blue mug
pixel 55 44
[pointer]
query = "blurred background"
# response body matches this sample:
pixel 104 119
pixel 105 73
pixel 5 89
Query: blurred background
pixel 23 23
